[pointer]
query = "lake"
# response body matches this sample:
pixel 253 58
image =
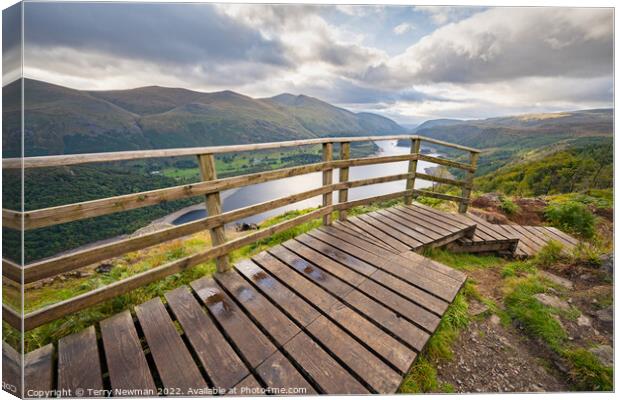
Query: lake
pixel 249 195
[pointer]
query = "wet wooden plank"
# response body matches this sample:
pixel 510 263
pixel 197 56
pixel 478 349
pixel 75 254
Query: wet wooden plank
pixel 280 374
pixel 311 271
pixel 173 360
pixel 78 363
pixel 254 346
pixel 261 310
pixel 127 365
pixel 39 370
pixel 384 345
pixel 368 367
pixel 324 254
pixel 430 221
pixel 296 307
pixel 222 364
pixel 392 322
pixel 330 376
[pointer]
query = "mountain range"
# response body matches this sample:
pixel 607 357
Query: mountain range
pixel 60 120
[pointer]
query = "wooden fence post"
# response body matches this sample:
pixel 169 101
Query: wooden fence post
pixel 343 194
pixel 413 166
pixel 469 182
pixel 214 207
pixel 328 156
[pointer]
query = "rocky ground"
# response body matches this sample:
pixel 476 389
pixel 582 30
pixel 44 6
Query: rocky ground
pixel 491 356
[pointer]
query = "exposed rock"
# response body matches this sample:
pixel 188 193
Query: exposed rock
pixel 495 320
pixel 487 200
pixel 477 308
pixel 551 301
pixel 242 227
pixel 607 263
pixel 606 314
pixel 582 320
pixel 558 280
pixel 104 268
pixel 605 354
pixel 491 216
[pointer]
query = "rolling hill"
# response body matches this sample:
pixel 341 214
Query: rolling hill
pixel 60 120
pixel 506 140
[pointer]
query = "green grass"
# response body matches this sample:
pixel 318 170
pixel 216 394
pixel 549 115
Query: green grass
pixel 508 206
pixel 464 261
pixel 587 372
pixel 535 318
pixel 517 268
pixel 422 377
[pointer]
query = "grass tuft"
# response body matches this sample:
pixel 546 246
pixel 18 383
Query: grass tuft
pixel 587 372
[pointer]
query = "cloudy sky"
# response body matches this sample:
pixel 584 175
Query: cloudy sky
pixel 407 63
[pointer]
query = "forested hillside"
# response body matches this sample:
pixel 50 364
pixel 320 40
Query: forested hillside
pixel 60 120
pixel 583 164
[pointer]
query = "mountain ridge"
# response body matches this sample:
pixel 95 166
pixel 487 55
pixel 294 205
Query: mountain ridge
pixel 61 120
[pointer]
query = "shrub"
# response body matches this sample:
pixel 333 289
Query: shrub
pixel 508 206
pixel 549 254
pixel 571 216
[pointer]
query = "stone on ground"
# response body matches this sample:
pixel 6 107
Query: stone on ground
pixel 605 354
pixel 551 301
pixel 558 280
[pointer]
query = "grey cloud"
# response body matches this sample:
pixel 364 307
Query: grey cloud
pixel 161 33
pixel 508 43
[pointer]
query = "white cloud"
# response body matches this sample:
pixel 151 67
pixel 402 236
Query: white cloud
pixel 403 28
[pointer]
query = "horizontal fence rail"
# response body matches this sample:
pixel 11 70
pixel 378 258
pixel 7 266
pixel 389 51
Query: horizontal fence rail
pixel 209 187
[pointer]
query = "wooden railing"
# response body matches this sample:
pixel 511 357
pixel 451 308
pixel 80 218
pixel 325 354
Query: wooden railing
pixel 210 186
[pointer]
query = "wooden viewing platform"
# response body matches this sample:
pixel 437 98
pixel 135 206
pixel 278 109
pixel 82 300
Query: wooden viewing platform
pixel 342 309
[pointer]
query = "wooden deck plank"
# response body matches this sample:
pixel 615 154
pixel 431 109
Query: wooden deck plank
pixel 420 296
pixel 222 364
pixel 565 235
pixel 261 310
pixel 293 305
pixel 343 346
pixel 351 229
pixel 127 365
pixel 78 362
pixel 429 220
pixel 435 226
pixel 422 235
pixel 380 235
pixel 39 370
pixel 426 279
pixel 311 247
pixel 525 244
pixel 254 346
pixel 278 372
pixel 407 257
pixel 384 317
pixel 322 368
pixel 448 218
pixel 248 387
pixel 384 345
pixel 173 360
pixel 376 374
pixel 388 230
pixel 412 224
